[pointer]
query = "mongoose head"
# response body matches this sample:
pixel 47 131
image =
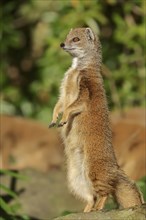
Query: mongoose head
pixel 80 42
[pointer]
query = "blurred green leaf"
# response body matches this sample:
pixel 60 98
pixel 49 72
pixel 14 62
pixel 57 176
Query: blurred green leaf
pixel 8 191
pixel 33 63
pixel 142 185
pixel 6 207
pixel 13 174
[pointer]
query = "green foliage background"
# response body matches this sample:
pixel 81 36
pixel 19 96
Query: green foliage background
pixel 32 64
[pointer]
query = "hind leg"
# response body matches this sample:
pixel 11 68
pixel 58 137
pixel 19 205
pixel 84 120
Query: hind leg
pixel 90 205
pixel 101 202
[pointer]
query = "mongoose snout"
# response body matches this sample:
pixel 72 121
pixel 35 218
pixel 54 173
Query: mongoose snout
pixel 62 45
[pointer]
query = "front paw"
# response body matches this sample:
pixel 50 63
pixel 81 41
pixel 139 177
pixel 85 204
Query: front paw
pixel 52 125
pixel 62 123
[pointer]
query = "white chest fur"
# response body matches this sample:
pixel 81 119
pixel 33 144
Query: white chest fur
pixel 70 86
pixel 75 63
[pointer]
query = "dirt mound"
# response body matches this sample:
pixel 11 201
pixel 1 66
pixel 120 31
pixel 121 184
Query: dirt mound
pixel 129 141
pixel 27 143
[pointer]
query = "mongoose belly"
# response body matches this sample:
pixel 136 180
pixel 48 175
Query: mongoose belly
pixel 78 180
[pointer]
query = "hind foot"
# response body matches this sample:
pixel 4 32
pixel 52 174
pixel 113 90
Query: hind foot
pixel 101 202
pixel 89 207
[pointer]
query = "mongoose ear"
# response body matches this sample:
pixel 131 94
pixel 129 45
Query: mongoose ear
pixel 90 34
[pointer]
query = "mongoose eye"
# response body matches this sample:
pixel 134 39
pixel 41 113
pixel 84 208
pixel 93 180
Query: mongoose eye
pixel 76 39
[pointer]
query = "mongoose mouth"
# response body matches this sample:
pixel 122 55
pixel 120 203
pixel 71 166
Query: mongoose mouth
pixel 68 49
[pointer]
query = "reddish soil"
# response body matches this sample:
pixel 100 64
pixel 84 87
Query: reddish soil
pixel 27 143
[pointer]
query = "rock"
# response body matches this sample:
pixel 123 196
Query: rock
pixel 42 195
pixel 134 213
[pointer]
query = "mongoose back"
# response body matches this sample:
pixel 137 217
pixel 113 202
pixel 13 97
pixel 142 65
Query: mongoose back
pixel 93 172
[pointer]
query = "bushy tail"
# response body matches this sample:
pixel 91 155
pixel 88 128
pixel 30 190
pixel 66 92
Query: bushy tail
pixel 127 194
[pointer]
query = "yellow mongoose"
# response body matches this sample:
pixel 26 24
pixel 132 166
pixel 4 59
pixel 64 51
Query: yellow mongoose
pixel 93 171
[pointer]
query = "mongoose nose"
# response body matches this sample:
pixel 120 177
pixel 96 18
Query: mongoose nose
pixel 62 45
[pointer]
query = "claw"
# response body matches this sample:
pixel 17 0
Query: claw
pixel 52 125
pixel 62 123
